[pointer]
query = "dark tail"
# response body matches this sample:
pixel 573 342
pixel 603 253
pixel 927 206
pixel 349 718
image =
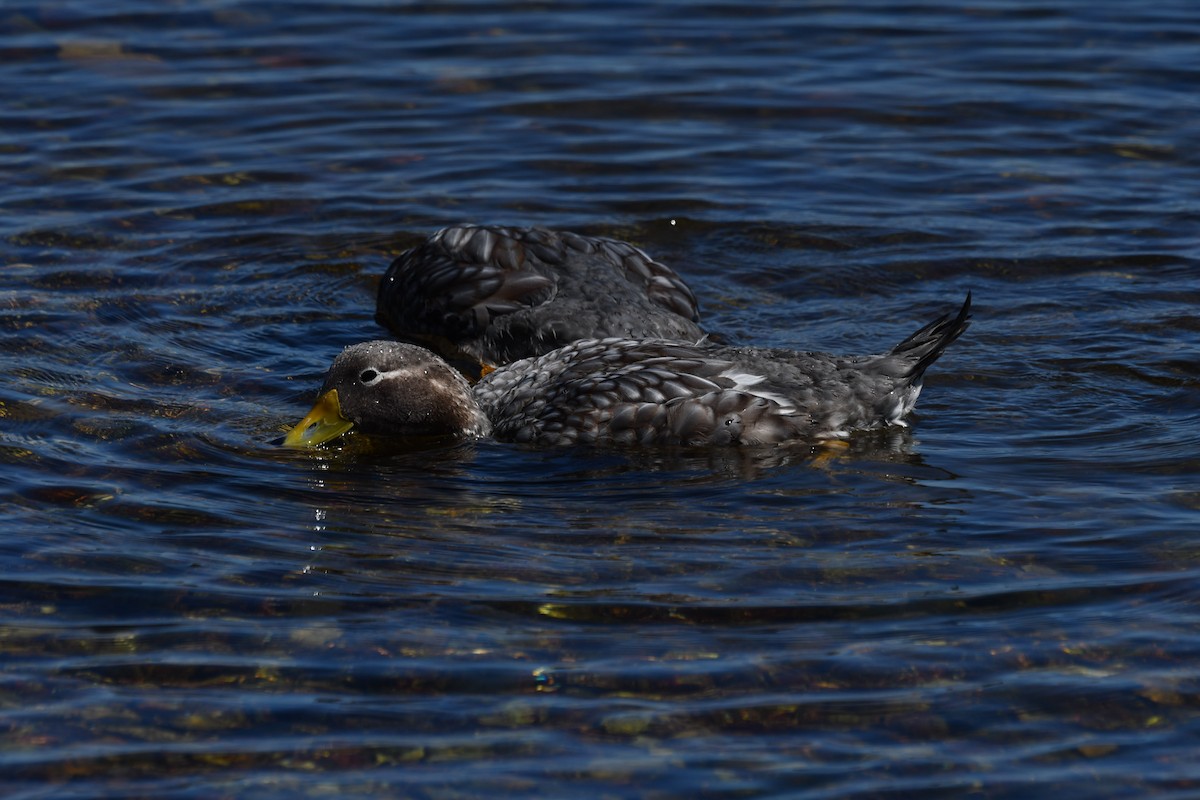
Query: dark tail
pixel 925 346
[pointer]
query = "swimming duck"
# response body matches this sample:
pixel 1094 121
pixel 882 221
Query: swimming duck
pixel 628 391
pixel 493 295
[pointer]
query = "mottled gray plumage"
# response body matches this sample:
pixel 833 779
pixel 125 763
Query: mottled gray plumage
pixel 642 391
pixel 500 294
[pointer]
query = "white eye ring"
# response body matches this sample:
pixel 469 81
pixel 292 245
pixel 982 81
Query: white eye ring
pixel 369 377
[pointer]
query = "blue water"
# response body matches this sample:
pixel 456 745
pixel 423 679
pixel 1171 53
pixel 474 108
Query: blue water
pixel 1000 601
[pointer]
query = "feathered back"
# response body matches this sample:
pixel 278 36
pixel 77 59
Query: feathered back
pixel 645 391
pixel 499 294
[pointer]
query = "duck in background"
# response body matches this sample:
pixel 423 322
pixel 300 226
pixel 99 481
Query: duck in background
pixel 628 391
pixel 492 295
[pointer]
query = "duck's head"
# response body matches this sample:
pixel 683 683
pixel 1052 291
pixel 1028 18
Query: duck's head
pixel 394 389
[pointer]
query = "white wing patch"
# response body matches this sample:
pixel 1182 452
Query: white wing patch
pixel 745 382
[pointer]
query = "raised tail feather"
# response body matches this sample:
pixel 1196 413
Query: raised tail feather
pixel 925 346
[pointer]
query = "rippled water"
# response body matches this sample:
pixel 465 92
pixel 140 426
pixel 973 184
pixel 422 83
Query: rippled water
pixel 1001 601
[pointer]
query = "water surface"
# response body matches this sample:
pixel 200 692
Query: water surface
pixel 999 601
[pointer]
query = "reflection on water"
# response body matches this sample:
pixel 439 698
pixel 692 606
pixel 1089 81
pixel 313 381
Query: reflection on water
pixel 998 601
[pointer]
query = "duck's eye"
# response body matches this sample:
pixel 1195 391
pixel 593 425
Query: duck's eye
pixel 368 376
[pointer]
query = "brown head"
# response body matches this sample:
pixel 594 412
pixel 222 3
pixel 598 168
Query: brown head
pixel 390 388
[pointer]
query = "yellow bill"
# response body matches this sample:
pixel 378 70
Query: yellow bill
pixel 323 423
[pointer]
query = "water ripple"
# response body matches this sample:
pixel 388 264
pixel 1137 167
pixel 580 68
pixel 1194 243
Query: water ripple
pixel 998 600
